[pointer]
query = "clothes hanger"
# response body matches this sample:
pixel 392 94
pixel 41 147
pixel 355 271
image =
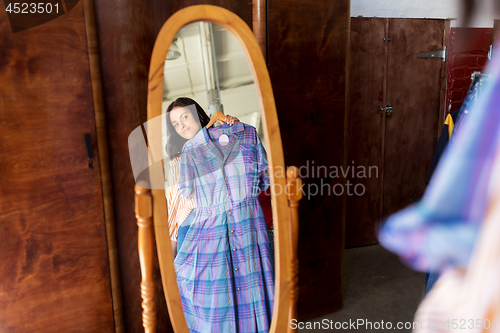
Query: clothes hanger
pixel 215 117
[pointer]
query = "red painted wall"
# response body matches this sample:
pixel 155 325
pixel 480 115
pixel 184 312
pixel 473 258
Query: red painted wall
pixel 468 52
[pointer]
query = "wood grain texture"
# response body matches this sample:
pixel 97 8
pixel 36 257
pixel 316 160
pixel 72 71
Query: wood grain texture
pixel 307 52
pixel 126 39
pixel 54 268
pixel 260 24
pixel 272 136
pixel 414 91
pixel 399 145
pixel 368 60
pixel 103 150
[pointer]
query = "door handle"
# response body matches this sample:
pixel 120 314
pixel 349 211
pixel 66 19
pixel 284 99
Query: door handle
pixel 388 110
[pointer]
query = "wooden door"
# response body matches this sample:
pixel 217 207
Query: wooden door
pixel 367 71
pixel 54 268
pixel 391 153
pixel 415 90
pixel 307 65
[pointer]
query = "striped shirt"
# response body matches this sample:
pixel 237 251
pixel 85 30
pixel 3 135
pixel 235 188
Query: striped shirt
pixel 178 207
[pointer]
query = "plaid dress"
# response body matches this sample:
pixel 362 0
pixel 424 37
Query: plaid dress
pixel 224 267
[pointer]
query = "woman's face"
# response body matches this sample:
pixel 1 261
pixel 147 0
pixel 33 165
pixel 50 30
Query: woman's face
pixel 184 123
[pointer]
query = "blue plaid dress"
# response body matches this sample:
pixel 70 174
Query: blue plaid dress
pixel 224 267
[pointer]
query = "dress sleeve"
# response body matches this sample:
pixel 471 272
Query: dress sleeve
pixel 262 164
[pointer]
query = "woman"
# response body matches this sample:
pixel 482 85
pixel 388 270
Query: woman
pixel 182 125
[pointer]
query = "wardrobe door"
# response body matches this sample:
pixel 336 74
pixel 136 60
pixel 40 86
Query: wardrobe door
pixel 307 51
pixel 126 40
pixel 54 267
pixel 367 69
pixel 415 91
pixel 396 101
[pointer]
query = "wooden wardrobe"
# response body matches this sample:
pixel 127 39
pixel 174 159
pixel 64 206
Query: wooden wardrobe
pixel 396 104
pixel 58 252
pixel 69 250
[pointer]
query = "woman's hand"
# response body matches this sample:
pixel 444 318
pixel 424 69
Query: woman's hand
pixel 229 120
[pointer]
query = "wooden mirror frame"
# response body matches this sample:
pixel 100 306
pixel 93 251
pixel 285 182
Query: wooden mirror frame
pixel 285 218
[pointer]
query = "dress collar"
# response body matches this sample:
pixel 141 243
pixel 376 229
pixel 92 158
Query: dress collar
pixel 202 136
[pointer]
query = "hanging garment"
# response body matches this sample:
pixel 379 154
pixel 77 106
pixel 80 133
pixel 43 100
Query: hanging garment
pixel 443 140
pixel 453 118
pixel 224 267
pixel 448 129
pixel 441 230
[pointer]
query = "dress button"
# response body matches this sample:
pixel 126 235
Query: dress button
pixel 236 269
pixel 234 250
pixel 230 213
pixel 232 230
pixel 238 289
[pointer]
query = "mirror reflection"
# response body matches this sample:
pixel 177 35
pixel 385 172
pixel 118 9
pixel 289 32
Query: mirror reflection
pixel 217 183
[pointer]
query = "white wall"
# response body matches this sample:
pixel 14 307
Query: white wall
pixel 423 9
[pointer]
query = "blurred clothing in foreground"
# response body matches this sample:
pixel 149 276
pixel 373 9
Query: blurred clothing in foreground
pixel 440 230
pixel 455 228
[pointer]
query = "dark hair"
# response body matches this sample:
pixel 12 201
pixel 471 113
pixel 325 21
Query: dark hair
pixel 175 142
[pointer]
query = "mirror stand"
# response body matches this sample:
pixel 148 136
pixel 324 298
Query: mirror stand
pixel 151 205
pixel 144 216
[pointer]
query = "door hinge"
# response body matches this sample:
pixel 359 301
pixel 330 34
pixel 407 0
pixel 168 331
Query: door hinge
pixel 434 54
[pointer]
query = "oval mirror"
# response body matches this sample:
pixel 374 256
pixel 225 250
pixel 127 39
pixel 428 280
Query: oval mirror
pixel 214 220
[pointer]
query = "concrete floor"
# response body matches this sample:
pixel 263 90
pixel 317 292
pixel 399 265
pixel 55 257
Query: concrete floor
pixel 377 286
